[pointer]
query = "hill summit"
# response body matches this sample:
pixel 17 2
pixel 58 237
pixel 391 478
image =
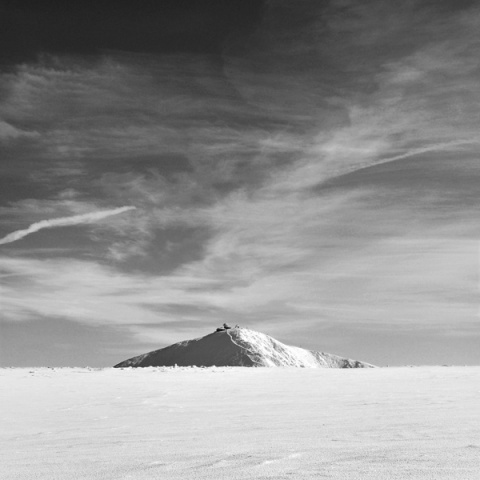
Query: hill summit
pixel 238 347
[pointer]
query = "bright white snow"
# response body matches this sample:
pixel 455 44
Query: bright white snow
pixel 240 423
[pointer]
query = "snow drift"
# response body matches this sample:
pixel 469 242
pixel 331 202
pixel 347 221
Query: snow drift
pixel 238 347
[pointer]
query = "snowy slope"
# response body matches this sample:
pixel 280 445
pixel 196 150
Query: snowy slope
pixel 239 347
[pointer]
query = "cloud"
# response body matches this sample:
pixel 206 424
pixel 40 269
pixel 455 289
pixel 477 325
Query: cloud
pixel 63 222
pixel 9 132
pixel 130 105
pixel 273 278
pixel 400 81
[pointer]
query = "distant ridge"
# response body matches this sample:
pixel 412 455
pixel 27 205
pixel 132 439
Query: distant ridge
pixel 238 347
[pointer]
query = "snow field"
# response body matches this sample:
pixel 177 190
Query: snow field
pixel 240 423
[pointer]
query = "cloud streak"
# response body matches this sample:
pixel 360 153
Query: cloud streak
pixel 441 147
pixel 63 222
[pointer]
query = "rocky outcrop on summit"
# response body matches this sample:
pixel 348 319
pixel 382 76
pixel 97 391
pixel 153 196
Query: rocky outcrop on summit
pixel 238 347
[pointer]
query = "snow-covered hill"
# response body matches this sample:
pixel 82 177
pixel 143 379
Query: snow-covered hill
pixel 239 347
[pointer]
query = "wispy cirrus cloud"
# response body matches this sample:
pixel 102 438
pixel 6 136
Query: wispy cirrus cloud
pixel 281 284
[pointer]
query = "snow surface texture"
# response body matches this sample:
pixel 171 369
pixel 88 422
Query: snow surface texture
pixel 238 347
pixel 240 423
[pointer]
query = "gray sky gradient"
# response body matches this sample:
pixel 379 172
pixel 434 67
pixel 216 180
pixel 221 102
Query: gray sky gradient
pixel 312 175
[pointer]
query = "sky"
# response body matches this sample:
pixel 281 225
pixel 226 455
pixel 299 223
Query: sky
pixel 308 169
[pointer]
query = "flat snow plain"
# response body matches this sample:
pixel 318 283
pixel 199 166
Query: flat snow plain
pixel 240 423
